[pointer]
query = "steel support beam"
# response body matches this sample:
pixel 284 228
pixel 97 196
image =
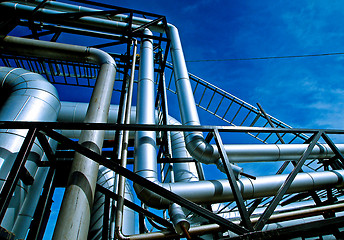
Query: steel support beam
pixel 283 189
pixel 233 183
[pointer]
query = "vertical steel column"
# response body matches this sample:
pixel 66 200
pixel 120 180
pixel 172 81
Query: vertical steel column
pixel 283 189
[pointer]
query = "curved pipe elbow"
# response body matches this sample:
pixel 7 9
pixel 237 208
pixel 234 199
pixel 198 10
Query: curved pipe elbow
pixel 27 89
pixel 200 149
pixel 150 198
pixel 206 153
pixel 100 57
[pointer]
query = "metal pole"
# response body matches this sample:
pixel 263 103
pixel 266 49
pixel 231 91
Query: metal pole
pixel 124 153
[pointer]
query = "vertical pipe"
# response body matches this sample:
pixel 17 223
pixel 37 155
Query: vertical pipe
pixel 145 144
pixel 124 153
pixel 195 143
pixel 82 179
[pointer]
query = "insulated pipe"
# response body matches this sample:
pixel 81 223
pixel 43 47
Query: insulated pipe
pixel 26 96
pixel 93 23
pixel 214 191
pixel 145 141
pixel 81 184
pixel 203 229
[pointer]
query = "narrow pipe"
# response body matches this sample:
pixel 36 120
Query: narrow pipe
pixel 82 180
pixel 124 153
pixel 279 218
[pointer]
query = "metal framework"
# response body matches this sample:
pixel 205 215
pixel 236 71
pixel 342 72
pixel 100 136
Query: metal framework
pixel 240 218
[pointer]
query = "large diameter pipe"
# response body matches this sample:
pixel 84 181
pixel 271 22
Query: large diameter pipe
pixel 81 184
pixel 82 180
pixel 26 96
pixel 207 192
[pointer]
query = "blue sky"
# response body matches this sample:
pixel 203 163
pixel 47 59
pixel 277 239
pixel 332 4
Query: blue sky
pixel 303 92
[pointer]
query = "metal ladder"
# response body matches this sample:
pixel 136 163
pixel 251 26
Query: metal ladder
pixel 232 110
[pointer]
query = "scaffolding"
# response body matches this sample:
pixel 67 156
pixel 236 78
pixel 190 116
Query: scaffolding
pixel 304 197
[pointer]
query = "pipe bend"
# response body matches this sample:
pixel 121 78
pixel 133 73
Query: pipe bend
pixel 150 198
pixel 100 57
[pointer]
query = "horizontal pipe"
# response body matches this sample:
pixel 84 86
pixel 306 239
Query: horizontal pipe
pixel 222 186
pixel 237 153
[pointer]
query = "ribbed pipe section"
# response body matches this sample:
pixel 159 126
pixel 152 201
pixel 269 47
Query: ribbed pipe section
pixel 26 96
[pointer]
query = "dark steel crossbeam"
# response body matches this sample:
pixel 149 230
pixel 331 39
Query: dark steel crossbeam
pixel 153 127
pixel 146 25
pixel 104 5
pixel 148 184
pixel 103 45
pixel 135 207
pixel 233 183
pixel 46 148
pixel 283 189
pixel 12 178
